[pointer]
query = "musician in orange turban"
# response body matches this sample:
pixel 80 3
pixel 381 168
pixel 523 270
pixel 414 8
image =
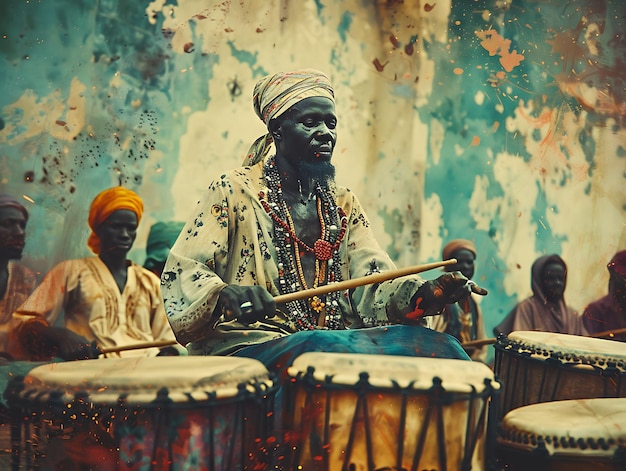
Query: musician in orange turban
pixel 105 204
pixel 105 301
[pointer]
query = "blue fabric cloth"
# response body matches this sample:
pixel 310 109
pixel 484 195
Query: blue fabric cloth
pixel 403 340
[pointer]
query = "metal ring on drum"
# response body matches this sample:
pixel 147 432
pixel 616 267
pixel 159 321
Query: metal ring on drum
pixel 568 435
pixel 539 367
pixel 129 413
pixel 364 411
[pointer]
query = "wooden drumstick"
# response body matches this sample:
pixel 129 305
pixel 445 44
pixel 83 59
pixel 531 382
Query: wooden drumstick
pixel 609 333
pixel 138 346
pixel 362 281
pixel 478 343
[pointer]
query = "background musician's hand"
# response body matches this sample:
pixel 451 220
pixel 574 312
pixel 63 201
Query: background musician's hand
pixel 247 304
pixel 71 346
pixel 45 343
pixel 433 295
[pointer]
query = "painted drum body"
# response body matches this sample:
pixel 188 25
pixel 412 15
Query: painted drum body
pixel 539 367
pixel 365 412
pixel 569 435
pixel 143 414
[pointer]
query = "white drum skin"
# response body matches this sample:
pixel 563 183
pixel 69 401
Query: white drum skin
pixel 363 412
pixel 537 367
pixel 568 435
pixel 124 413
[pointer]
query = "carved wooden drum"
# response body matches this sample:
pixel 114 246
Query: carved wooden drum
pixel 569 435
pixel 174 413
pixel 543 366
pixel 369 412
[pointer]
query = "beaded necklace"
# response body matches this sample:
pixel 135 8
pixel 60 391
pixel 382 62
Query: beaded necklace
pixel 317 312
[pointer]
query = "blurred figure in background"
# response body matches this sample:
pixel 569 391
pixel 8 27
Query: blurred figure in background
pixel 609 313
pixel 463 319
pixel 103 301
pixel 16 281
pixel 546 309
pixel 160 239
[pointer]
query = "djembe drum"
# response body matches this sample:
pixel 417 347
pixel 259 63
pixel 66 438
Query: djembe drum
pixel 143 413
pixel 367 412
pixel 544 366
pixel 568 435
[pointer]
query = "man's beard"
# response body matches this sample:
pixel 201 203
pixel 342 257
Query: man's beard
pixel 322 173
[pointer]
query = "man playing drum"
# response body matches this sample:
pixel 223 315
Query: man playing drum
pixel 101 302
pixel 281 224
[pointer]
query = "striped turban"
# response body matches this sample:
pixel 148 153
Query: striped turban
pixel 7 201
pixel 105 204
pixel 274 94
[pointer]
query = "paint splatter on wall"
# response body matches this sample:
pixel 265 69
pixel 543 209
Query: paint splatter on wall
pixel 498 121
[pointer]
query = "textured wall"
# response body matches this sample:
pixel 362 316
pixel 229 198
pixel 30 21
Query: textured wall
pixel 497 121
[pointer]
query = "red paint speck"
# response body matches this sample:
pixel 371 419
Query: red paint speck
pixel 379 67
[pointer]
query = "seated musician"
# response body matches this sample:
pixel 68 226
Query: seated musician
pixel 545 310
pixel 161 237
pixel 609 312
pixel 17 282
pixel 281 224
pixel 464 319
pixel 101 302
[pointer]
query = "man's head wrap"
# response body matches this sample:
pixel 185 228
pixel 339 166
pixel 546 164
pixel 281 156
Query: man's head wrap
pixel 274 94
pixel 618 263
pixel 457 244
pixel 106 203
pixel 160 239
pixel 7 201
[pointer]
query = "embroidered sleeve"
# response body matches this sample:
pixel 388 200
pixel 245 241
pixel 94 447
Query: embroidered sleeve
pixel 192 278
pixel 383 303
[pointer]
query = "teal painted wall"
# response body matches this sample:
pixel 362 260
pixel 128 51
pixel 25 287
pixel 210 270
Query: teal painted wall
pixel 497 121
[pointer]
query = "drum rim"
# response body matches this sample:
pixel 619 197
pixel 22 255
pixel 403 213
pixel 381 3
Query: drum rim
pixel 48 380
pixel 505 344
pixel 576 443
pixel 312 373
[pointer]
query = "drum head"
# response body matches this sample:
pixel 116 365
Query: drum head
pixel 568 345
pixel 388 371
pixel 140 379
pixel 583 428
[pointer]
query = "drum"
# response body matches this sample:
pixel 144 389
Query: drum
pixel 173 413
pixel 569 435
pixel 370 412
pixel 544 366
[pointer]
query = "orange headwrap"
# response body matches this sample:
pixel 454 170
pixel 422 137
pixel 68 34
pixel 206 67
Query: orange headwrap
pixel 457 244
pixel 105 204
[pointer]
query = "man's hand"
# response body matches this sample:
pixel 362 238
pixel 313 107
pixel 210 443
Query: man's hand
pixel 247 304
pixel 45 343
pixel 433 295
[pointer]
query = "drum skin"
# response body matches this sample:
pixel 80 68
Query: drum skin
pixel 143 414
pixel 568 435
pixel 537 367
pixel 368 412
